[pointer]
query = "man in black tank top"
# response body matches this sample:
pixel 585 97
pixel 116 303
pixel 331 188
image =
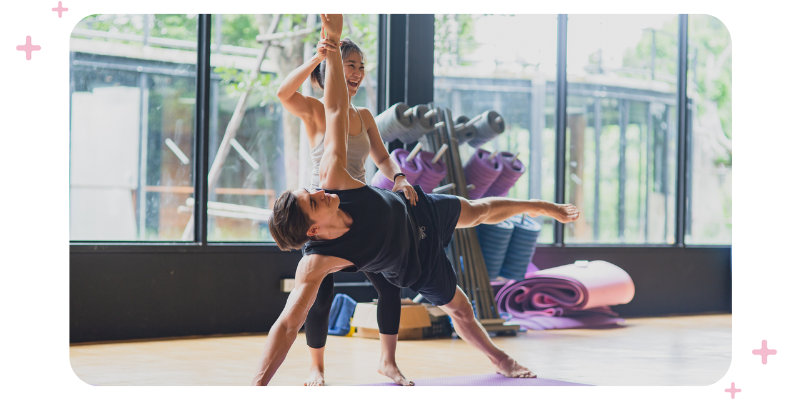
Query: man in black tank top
pixel 375 230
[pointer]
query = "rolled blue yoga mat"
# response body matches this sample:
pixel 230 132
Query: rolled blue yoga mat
pixel 494 240
pixel 520 248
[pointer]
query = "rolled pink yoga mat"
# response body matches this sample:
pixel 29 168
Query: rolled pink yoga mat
pixel 432 174
pixel 412 169
pixel 570 296
pixel 512 170
pixel 481 172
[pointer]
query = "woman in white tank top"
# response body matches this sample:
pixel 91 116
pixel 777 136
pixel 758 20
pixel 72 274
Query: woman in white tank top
pixel 363 139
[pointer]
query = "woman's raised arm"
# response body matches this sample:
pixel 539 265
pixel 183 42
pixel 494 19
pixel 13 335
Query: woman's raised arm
pixel 295 102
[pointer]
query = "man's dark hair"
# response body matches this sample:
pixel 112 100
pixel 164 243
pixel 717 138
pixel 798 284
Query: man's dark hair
pixel 318 75
pixel 288 224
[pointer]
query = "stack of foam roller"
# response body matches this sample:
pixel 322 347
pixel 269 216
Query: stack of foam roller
pixel 521 247
pixel 432 173
pixel 494 240
pixel 481 172
pixel 511 172
pixel 412 169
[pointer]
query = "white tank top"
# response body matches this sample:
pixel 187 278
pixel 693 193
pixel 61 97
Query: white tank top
pixel 357 153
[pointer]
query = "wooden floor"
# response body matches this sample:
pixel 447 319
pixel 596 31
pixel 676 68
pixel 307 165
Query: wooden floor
pixel 682 350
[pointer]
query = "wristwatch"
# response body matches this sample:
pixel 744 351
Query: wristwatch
pixel 396 175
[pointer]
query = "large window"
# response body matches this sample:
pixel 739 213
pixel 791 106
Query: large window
pixel 132 95
pixel 709 142
pixel 483 62
pixel 258 149
pixel 622 127
pixel 132 126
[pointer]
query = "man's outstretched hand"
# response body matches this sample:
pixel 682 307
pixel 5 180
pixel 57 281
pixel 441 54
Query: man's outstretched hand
pixel 332 23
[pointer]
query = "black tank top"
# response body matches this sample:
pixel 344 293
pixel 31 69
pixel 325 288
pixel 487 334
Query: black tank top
pixel 382 238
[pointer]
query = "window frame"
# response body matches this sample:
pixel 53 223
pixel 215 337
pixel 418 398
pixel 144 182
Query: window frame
pixel 387 36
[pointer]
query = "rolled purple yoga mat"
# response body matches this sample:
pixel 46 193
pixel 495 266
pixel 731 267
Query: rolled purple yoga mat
pixel 512 170
pixel 576 295
pixel 481 172
pixel 412 169
pixel 432 174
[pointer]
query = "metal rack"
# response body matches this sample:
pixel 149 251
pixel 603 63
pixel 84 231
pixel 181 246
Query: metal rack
pixel 464 250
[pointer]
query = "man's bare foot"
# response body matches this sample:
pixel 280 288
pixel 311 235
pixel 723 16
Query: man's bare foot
pixel 560 212
pixel 510 369
pixel 391 371
pixel 316 378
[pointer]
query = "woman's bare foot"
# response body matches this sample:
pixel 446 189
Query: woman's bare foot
pixel 510 369
pixel 560 212
pixel 390 370
pixel 316 378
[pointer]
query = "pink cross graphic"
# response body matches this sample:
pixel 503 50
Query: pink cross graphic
pixel 60 9
pixel 28 48
pixel 733 390
pixel 764 352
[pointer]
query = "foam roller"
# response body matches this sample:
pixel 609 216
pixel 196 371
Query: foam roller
pixel 494 240
pixel 412 169
pixel 392 122
pixel 520 248
pixel 512 171
pixel 432 173
pixel 481 172
pixel 420 124
pixel 464 132
pixel 488 126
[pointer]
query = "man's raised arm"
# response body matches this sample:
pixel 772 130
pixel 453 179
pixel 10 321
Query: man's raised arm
pixel 310 272
pixel 333 165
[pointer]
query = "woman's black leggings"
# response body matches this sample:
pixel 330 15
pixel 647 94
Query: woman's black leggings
pixel 388 309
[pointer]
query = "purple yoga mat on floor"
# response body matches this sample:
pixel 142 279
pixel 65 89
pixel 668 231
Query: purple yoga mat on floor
pixel 481 172
pixel 570 296
pixel 512 170
pixel 484 380
pixel 432 174
pixel 412 169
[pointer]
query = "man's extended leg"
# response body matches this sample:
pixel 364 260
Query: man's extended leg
pixel 493 210
pixel 468 328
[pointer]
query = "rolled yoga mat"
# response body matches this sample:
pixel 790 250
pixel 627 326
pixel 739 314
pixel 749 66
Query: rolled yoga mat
pixel 412 169
pixel 391 123
pixel 512 171
pixel 494 240
pixel 521 247
pixel 488 126
pixel 481 172
pixel 432 174
pixel 570 296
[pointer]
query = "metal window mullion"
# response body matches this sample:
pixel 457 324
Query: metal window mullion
pixel 680 192
pixel 202 85
pixel 561 122
pixel 383 58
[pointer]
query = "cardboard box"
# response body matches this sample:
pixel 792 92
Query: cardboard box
pixel 413 317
